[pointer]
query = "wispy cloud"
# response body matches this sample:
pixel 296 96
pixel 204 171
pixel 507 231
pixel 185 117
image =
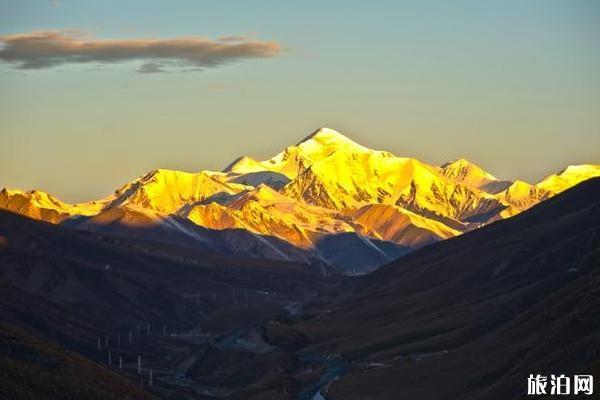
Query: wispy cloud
pixel 46 49
pixel 151 68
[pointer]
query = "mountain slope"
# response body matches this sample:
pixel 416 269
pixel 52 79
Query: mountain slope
pixel 325 232
pixel 166 191
pixel 569 177
pixel 352 176
pixel 293 160
pixel 34 369
pixel 43 206
pixel 395 224
pixel 467 173
pixel 521 195
pixel 144 224
pixel 265 211
pixel 473 316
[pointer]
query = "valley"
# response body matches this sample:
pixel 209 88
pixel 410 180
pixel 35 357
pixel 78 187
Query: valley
pixel 211 326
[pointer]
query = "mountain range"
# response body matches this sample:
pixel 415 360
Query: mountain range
pixel 325 201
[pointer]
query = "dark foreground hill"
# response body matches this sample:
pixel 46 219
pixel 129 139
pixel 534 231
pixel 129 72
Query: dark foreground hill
pixel 472 317
pixel 31 369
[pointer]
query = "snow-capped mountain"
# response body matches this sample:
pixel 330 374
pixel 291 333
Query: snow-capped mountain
pixel 467 173
pixel 43 206
pixel 312 202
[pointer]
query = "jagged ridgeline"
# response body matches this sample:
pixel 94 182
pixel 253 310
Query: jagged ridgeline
pixel 324 201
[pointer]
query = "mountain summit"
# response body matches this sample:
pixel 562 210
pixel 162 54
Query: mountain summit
pixel 321 195
pixel 465 172
pixel 325 140
pixel 293 160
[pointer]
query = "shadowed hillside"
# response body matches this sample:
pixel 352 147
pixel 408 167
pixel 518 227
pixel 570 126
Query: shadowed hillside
pixel 31 369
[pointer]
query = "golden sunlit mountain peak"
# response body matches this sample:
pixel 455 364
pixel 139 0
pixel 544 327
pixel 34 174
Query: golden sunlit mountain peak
pixel 462 169
pixel 465 172
pixel 291 161
pixel 327 138
pixel 40 205
pixel 521 195
pixel 167 191
pixel 518 196
pixel 568 177
pixel 244 165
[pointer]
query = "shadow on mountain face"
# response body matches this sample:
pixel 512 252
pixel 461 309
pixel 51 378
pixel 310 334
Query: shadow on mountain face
pixel 473 316
pixel 348 253
pixel 273 179
pixel 180 231
pixel 355 254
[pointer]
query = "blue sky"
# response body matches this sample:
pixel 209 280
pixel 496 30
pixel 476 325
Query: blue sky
pixel 511 85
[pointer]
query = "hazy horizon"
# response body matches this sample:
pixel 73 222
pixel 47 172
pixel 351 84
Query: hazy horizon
pixel 512 86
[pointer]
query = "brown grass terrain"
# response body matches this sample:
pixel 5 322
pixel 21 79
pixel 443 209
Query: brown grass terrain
pixel 31 369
